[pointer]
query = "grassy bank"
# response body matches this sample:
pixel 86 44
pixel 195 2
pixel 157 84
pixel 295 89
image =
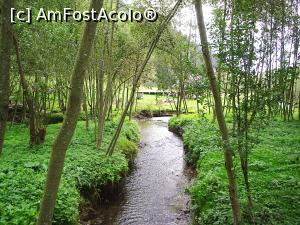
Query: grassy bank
pixel 23 171
pixel 274 173
pixel 155 104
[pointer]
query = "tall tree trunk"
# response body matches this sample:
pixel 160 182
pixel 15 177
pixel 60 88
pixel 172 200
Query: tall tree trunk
pixel 220 116
pixel 64 137
pixel 5 54
pixel 100 90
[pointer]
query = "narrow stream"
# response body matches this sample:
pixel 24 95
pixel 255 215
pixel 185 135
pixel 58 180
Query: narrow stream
pixel 153 192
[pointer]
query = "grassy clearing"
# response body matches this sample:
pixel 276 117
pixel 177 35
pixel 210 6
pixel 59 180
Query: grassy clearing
pixel 274 173
pixel 153 103
pixel 23 171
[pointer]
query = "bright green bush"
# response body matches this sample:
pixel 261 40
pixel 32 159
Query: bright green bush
pixel 178 123
pixel 198 135
pixel 23 172
pixel 127 143
pixel 131 131
pixel 127 147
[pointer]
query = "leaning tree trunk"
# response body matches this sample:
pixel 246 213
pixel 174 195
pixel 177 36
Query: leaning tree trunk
pixel 138 76
pixel 64 137
pixel 5 53
pixel 220 116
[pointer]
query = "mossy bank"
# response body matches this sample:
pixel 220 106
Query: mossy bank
pixel 23 171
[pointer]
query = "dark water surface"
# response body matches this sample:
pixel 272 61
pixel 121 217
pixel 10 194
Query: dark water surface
pixel 153 192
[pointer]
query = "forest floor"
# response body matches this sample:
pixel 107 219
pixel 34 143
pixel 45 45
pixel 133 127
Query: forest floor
pixel 23 171
pixel 274 165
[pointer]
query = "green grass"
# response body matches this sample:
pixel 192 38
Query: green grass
pixel 23 171
pixel 274 173
pixel 151 103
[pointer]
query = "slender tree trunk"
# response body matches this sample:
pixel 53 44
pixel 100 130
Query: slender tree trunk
pixel 269 71
pixel 131 107
pixel 100 90
pixel 139 74
pixel 5 54
pixel 106 106
pixel 185 105
pixel 220 116
pixel 37 134
pixel 123 96
pixel 64 137
pixel 84 106
pixel 177 104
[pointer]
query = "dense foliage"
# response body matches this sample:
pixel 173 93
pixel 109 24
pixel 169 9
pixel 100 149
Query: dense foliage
pixel 274 173
pixel 23 172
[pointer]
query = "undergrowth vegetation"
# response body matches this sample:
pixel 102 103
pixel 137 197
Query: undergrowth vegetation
pixel 23 171
pixel 274 173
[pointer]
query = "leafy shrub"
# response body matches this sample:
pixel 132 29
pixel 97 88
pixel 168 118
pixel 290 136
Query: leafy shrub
pixel 128 148
pixel 199 135
pixel 178 124
pixel 131 131
pixel 209 199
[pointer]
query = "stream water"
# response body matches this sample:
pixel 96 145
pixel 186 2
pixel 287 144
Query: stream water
pixel 153 192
